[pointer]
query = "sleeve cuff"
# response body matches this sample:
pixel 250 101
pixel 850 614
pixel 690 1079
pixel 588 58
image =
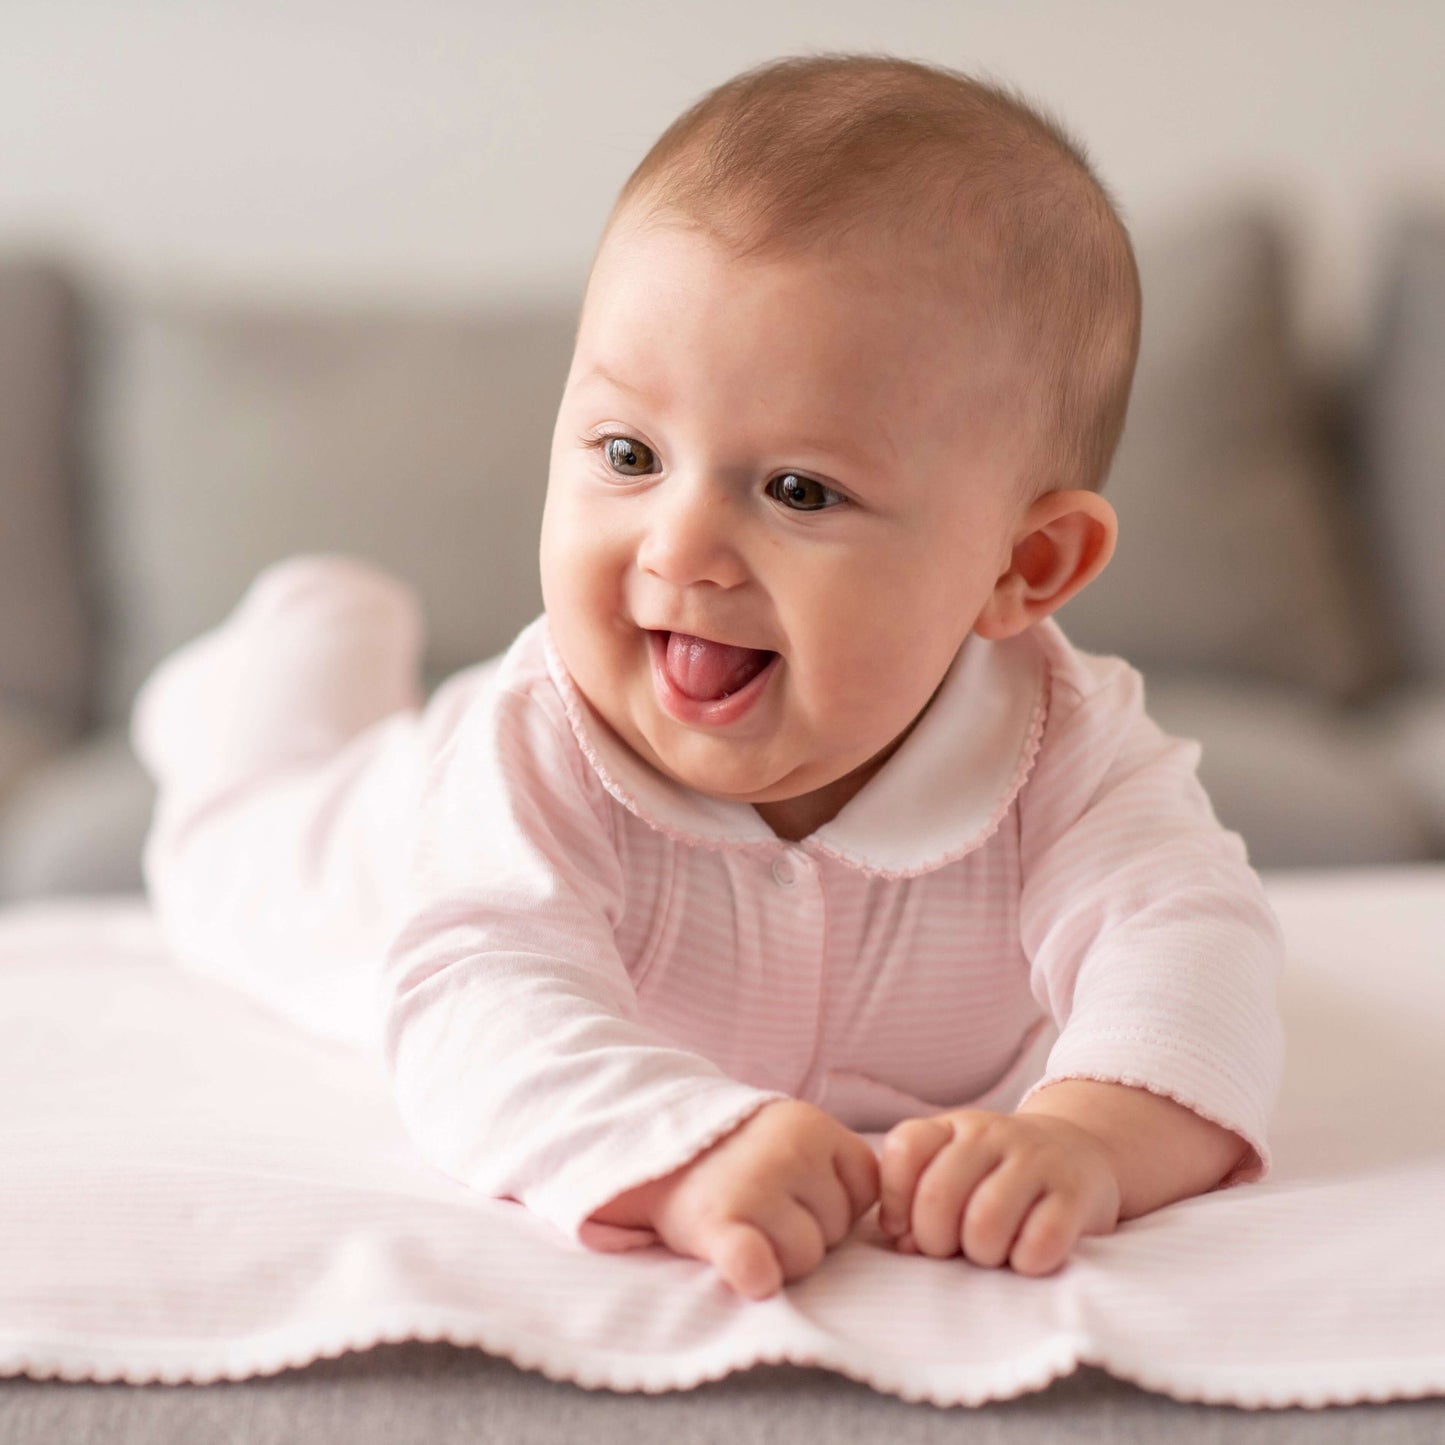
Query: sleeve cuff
pixel 671 1136
pixel 1190 1080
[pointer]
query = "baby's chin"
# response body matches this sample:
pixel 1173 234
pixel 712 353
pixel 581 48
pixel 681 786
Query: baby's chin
pixel 731 770
pixel 734 783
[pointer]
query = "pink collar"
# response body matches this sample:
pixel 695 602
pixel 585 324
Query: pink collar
pixel 943 793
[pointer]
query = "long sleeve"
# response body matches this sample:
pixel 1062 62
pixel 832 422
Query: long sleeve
pixel 1148 934
pixel 287 748
pixel 518 1061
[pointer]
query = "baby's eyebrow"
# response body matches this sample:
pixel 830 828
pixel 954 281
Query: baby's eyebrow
pixel 598 372
pixel 867 457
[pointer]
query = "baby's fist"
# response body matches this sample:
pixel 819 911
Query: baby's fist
pixel 766 1202
pixel 1015 1188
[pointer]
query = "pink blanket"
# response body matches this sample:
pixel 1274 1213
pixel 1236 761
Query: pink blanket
pixel 195 1190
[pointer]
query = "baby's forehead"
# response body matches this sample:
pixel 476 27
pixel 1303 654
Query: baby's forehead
pixel 847 330
pixel 659 276
pixel 953 282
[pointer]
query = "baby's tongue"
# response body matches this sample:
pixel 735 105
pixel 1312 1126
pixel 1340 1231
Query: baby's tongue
pixel 704 670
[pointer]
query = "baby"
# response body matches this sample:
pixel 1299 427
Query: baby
pixel 795 816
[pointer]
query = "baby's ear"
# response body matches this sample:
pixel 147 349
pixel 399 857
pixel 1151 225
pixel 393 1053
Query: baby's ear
pixel 1063 542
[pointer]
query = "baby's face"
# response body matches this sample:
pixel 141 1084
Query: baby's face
pixel 789 454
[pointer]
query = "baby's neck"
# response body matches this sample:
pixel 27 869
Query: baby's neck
pixel 788 819
pixel 795 818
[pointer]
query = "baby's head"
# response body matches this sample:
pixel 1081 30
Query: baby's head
pixel 852 364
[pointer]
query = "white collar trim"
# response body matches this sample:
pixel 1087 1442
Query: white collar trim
pixel 942 794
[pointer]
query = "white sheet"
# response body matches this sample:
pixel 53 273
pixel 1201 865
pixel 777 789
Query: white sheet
pixel 191 1190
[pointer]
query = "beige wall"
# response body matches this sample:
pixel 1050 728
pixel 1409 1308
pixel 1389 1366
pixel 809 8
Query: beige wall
pixel 457 148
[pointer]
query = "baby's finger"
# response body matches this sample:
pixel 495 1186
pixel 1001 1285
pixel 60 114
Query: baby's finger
pixel 996 1210
pixel 825 1198
pixel 907 1151
pixel 744 1258
pixel 945 1189
pixel 1048 1234
pixel 796 1234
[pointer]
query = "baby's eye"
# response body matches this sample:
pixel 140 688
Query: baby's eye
pixel 802 494
pixel 628 456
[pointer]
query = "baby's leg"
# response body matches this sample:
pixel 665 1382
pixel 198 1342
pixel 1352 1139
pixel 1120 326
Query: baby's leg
pixel 287 748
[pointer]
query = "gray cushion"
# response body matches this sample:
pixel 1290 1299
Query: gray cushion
pixel 28 735
pixel 42 599
pixel 1414 725
pixel 1237 552
pixel 228 438
pixel 1305 784
pixel 76 823
pixel 1404 441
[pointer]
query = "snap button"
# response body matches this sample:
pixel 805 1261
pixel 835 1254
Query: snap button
pixel 783 872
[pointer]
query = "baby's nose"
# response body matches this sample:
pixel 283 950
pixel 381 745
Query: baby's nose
pixel 689 537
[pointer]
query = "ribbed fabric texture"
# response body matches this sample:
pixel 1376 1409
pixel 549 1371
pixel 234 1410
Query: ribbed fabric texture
pixel 580 975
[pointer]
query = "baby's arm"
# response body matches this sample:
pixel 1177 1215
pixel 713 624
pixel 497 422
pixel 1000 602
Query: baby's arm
pixel 1153 947
pixel 518 1060
pixel 1159 1151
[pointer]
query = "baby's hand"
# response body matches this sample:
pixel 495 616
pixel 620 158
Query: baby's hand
pixel 766 1202
pixel 1019 1188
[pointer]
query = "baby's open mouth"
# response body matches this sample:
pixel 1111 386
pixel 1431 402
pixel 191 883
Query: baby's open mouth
pixel 705 670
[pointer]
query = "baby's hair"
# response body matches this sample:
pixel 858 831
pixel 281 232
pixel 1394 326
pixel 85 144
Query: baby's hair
pixel 814 151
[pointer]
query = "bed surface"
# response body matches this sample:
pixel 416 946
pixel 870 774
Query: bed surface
pixel 1371 932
